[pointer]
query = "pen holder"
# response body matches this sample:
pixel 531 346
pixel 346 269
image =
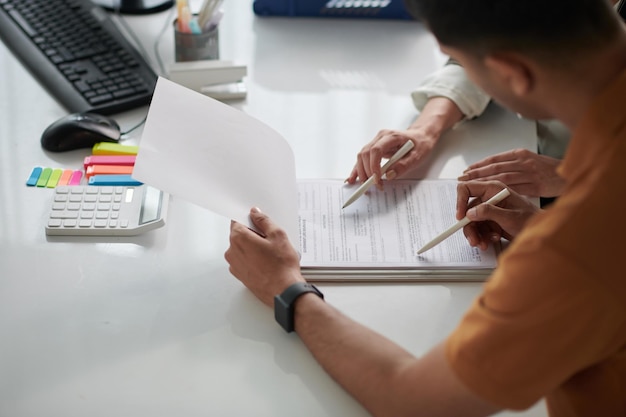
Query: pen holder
pixel 195 47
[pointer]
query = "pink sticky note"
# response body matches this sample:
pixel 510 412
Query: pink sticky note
pixel 75 178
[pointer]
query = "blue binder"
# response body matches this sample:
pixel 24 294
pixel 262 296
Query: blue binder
pixel 381 9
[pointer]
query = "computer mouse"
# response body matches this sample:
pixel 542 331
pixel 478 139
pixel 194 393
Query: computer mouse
pixel 79 130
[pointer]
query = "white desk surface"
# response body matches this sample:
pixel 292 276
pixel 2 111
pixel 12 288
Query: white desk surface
pixel 155 325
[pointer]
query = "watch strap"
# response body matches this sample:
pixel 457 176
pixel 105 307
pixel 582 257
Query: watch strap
pixel 284 303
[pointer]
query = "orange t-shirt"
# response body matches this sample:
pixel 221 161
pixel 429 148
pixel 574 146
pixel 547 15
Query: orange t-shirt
pixel 551 321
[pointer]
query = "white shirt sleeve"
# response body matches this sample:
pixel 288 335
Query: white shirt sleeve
pixel 452 82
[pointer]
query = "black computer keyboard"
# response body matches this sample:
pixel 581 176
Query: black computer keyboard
pixel 77 53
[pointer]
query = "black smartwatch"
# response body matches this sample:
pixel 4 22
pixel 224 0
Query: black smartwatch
pixel 283 303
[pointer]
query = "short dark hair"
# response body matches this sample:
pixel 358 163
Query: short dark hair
pixel 539 27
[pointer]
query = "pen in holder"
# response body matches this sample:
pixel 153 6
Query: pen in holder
pixel 196 46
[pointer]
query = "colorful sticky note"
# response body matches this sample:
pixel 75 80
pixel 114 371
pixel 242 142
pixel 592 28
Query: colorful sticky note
pixel 44 177
pixel 54 178
pixel 65 177
pixel 108 170
pixel 107 148
pixel 75 178
pixel 34 177
pixel 113 180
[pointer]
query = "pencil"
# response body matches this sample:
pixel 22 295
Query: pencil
pixel 462 223
pixel 370 181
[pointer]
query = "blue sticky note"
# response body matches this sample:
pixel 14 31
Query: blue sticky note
pixel 34 176
pixel 113 180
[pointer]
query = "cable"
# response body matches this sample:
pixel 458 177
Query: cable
pixel 157 41
pixel 134 127
pixel 116 7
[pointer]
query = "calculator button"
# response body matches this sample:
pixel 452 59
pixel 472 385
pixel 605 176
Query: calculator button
pixel 115 215
pixel 105 199
pixel 61 197
pixel 106 190
pixel 112 223
pixel 64 215
pixel 54 223
pixel 76 189
pixel 129 195
pixel 90 198
pixel 62 190
pixel 75 198
pixel 91 190
pixel 124 223
pixel 100 223
pixel 86 215
pixel 89 206
pixel 104 207
pixel 84 223
pixel 115 206
pixel 102 215
pixel 69 223
pixel 73 206
pixel 58 206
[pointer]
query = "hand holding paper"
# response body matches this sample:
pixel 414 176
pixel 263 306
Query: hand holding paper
pixel 191 144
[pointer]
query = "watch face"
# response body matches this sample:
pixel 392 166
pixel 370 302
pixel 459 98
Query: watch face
pixel 283 314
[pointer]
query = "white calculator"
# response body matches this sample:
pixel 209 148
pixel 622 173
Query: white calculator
pixel 106 210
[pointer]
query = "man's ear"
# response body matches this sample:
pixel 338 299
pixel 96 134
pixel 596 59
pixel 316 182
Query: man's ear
pixel 512 71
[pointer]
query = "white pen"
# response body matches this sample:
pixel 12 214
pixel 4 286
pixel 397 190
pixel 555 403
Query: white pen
pixel 206 17
pixel 204 10
pixel 215 20
pixel 462 223
pixel 370 181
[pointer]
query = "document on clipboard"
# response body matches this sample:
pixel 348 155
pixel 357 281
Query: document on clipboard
pixel 228 164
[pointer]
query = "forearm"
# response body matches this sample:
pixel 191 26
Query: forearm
pixel 362 361
pixel 439 115
pixel 386 379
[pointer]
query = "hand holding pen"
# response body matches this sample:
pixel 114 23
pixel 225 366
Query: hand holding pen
pixel 504 193
pixel 370 181
pixel 488 223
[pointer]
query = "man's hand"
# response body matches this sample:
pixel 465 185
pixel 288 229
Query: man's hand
pixel 489 222
pixel 266 265
pixel 524 171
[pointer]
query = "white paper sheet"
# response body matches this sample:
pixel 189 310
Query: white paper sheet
pixel 383 229
pixel 206 152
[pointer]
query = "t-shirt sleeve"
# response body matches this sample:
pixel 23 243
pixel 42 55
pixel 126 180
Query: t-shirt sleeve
pixel 540 320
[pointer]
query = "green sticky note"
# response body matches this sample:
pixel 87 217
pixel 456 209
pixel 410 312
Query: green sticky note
pixel 54 178
pixel 44 177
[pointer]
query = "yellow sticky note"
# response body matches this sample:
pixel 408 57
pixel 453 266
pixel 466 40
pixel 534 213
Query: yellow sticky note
pixel 107 148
